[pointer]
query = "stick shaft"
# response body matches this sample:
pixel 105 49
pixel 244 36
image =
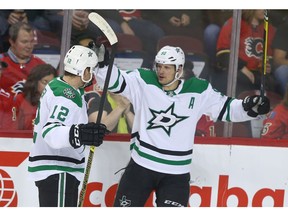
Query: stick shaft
pixel 264 58
pixel 111 36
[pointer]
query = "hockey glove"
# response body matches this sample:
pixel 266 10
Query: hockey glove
pixel 101 52
pixel 103 56
pixel 256 105
pixel 91 134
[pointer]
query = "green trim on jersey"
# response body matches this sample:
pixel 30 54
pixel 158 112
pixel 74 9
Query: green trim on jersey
pixel 116 84
pixel 149 77
pixel 228 118
pixel 194 85
pixel 161 160
pixel 63 89
pixel 55 167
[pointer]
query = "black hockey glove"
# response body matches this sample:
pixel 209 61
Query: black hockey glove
pixel 91 134
pixel 256 105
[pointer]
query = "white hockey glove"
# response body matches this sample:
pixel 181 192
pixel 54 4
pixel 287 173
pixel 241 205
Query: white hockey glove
pixel 91 134
pixel 103 56
pixel 256 105
pixel 101 52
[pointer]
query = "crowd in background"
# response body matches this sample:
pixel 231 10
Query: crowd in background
pixel 212 28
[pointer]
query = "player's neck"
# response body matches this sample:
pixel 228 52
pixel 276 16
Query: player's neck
pixel 72 81
pixel 172 87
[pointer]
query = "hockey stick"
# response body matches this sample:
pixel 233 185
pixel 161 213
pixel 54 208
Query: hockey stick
pixel 264 58
pixel 112 38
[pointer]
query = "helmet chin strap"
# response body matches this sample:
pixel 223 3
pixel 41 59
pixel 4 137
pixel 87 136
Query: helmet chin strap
pixel 86 83
pixel 177 77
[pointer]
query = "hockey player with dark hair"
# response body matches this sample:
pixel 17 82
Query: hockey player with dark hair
pixel 61 132
pixel 167 109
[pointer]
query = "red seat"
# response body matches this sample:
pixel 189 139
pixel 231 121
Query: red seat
pixel 186 43
pixel 125 42
pixel 129 54
pixel 129 42
pixel 46 40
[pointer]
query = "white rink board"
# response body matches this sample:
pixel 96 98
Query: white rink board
pixel 232 175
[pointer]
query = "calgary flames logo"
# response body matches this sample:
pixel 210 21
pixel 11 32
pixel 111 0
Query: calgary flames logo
pixel 254 47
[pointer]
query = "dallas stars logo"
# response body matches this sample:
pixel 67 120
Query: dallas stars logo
pixel 69 93
pixel 165 119
pixel 90 54
pixel 124 202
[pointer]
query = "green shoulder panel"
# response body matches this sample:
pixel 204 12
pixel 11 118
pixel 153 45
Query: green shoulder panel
pixel 194 85
pixel 62 89
pixel 149 77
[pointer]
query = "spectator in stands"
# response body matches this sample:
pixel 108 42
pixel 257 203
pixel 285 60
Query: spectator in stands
pixel 213 21
pixel 3 28
pixel 55 19
pixel 133 22
pixel 35 18
pixel 250 53
pixel 146 30
pixel 26 103
pixel 280 56
pixel 122 21
pixel 5 103
pixel 117 114
pixel 275 126
pixel 19 58
pixel 177 22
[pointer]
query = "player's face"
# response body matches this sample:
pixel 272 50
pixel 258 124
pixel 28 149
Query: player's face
pixel 165 73
pixel 24 44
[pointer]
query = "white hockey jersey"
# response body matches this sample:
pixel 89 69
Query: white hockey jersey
pixel 60 106
pixel 165 122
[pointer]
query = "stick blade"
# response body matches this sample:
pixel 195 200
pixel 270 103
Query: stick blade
pixel 102 24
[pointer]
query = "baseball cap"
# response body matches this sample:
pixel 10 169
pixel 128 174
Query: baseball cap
pixel 3 64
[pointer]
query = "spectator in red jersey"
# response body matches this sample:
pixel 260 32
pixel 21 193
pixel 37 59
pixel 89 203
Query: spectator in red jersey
pixel 35 18
pixel 275 126
pixel 19 58
pixel 5 104
pixel 205 127
pixel 25 103
pixel 250 53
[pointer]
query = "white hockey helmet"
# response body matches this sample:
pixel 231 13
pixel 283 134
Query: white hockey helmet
pixel 171 55
pixel 78 58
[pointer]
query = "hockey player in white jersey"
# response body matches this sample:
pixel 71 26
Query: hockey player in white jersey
pixel 61 132
pixel 167 110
